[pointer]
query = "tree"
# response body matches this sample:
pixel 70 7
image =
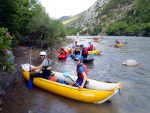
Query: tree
pixel 5 43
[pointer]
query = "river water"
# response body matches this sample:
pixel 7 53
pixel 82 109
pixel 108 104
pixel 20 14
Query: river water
pixel 135 93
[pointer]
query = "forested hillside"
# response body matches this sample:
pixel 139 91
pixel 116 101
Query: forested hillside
pixel 27 24
pixel 114 17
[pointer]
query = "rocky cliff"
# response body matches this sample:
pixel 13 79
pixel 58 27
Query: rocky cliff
pixel 101 14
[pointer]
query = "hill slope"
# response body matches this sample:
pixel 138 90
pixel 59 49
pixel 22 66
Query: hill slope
pixel 110 15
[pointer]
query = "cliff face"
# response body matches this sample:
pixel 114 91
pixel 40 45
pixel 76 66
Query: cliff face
pixel 101 13
pixel 89 16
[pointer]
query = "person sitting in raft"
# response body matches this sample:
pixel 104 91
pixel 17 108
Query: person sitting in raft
pixel 44 68
pixel 91 46
pixel 117 41
pixel 75 44
pixel 63 51
pixel 84 51
pixel 82 72
pixel 77 50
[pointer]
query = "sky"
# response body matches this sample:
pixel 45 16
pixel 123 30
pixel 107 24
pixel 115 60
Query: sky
pixel 59 8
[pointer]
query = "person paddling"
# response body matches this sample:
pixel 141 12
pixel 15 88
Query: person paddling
pixel 117 41
pixel 91 46
pixel 82 73
pixel 63 51
pixel 84 51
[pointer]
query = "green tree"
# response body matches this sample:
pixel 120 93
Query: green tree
pixel 5 43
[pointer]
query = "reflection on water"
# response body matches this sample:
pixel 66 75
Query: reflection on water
pixel 107 66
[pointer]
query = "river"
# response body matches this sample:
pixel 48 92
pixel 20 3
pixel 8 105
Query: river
pixel 134 96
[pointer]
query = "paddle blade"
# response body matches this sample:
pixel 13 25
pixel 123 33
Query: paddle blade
pixel 66 74
pixel 30 84
pixel 68 56
pixel 92 55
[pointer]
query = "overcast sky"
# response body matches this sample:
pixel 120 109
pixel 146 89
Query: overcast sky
pixel 59 8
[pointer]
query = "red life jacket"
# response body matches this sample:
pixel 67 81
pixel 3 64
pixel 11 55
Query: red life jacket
pixel 91 48
pixel 85 70
pixel 63 52
pixel 85 50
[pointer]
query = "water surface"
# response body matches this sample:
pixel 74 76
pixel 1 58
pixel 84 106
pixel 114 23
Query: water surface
pixel 135 93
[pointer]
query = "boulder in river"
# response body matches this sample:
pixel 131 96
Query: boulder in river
pixel 130 62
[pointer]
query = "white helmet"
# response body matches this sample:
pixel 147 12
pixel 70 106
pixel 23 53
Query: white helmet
pixel 90 42
pixel 43 53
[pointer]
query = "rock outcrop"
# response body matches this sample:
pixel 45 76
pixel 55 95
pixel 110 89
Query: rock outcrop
pixel 130 62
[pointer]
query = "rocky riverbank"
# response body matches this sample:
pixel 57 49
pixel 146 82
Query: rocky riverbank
pixel 22 54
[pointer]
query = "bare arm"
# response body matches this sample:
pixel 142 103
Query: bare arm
pixel 36 67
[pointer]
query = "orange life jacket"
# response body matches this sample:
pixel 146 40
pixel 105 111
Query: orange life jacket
pixel 53 79
pixel 77 48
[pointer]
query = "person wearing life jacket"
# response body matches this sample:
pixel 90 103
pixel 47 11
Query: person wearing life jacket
pixel 82 72
pixel 84 51
pixel 63 51
pixel 77 50
pixel 117 41
pixel 44 68
pixel 91 46
pixel 75 44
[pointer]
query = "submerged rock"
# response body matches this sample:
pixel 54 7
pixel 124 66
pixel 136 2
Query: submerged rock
pixel 130 62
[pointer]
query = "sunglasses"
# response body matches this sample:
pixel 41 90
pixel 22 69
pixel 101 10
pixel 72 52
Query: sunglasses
pixel 41 55
pixel 77 60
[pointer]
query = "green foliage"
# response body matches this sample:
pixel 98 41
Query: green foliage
pixel 113 4
pixel 133 30
pixel 118 28
pixel 145 29
pixel 5 43
pixel 28 23
pixel 97 29
pixel 44 31
pixel 137 20
pixel 72 31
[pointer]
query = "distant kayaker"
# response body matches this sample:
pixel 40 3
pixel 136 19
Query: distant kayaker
pixel 63 51
pixel 44 68
pixel 84 51
pixel 91 46
pixel 77 50
pixel 82 72
pixel 117 41
pixel 75 44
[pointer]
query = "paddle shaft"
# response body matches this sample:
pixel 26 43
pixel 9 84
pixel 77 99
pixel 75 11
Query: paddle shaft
pixel 30 57
pixel 111 45
pixel 74 81
pixel 30 54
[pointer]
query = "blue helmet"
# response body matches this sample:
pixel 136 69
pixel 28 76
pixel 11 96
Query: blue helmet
pixel 79 57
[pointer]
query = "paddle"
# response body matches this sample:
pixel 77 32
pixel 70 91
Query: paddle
pixel 30 53
pixel 30 82
pixel 67 75
pixel 68 56
pixel 111 45
pixel 91 55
